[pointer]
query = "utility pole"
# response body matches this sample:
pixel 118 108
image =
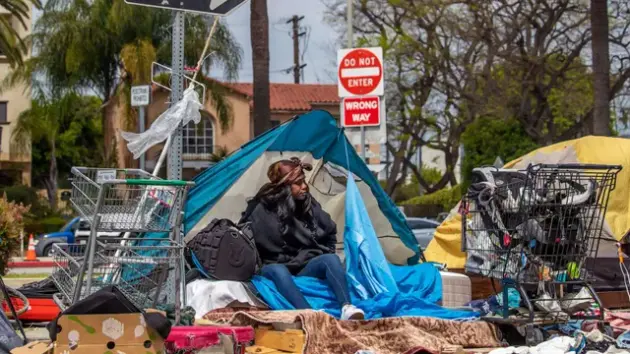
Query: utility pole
pixel 297 68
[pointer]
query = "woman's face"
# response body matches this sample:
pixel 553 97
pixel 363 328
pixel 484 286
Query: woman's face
pixel 299 189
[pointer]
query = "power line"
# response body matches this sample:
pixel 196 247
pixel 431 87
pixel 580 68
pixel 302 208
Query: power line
pixel 307 39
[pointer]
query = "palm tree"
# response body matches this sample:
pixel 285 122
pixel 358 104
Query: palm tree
pixel 601 68
pixel 259 32
pixel 11 44
pixel 62 126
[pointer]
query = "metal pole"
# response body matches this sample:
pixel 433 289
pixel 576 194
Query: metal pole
pixel 141 130
pixel 296 49
pixel 174 164
pixel 175 149
pixel 350 34
pixel 349 22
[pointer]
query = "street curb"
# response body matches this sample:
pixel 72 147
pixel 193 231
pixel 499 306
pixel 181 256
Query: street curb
pixel 30 264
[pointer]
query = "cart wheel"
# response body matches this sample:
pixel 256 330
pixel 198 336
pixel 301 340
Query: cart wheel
pixel 533 336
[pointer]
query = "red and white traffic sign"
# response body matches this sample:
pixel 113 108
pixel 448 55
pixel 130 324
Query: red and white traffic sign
pixel 361 111
pixel 360 72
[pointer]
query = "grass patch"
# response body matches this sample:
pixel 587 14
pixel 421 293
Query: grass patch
pixel 26 275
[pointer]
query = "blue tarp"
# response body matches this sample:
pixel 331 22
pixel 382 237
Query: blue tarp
pixel 380 289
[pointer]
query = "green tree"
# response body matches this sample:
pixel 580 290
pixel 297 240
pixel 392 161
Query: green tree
pixel 488 138
pixel 12 46
pixel 61 129
pixel 11 224
pixel 80 129
pixel 106 45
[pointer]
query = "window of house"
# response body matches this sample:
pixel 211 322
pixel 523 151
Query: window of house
pixel 199 138
pixel 0 139
pixel 3 112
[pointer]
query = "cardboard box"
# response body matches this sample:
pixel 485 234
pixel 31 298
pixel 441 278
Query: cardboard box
pixel 264 350
pixel 291 340
pixel 108 334
pixel 36 347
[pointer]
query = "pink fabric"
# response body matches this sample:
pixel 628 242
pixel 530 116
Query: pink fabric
pixel 618 320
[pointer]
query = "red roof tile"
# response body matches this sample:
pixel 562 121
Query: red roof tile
pixel 292 97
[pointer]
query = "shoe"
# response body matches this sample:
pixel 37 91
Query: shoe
pixel 351 312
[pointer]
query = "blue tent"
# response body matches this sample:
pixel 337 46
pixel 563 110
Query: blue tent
pixel 316 135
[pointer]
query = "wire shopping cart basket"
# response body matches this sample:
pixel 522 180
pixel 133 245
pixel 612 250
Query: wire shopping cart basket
pixel 137 203
pixel 145 270
pixel 535 230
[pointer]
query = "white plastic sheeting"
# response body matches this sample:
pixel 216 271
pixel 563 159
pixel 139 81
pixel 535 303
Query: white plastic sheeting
pixel 183 112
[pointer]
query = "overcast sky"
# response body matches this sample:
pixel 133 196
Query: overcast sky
pixel 318 46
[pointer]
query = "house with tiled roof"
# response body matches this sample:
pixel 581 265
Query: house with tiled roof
pixel 202 140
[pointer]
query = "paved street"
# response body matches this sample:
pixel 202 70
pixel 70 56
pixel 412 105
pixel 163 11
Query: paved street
pixel 18 282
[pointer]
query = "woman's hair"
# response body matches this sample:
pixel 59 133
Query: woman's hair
pixel 276 194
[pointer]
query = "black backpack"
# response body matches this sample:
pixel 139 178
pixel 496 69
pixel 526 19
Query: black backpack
pixel 224 251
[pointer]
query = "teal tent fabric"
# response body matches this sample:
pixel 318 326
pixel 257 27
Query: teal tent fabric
pixel 315 132
pixel 367 268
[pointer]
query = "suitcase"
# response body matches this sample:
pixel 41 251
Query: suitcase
pixel 210 339
pixel 456 289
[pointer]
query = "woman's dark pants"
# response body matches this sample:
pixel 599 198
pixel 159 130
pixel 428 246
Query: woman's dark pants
pixel 326 267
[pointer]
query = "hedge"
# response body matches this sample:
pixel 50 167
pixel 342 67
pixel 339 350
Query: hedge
pixel 447 198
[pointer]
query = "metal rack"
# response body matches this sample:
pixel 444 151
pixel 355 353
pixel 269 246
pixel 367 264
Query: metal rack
pixel 535 230
pixel 147 265
pixel 141 272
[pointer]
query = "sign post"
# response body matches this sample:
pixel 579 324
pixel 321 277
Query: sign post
pixel 141 97
pixel 209 7
pixel 360 74
pixel 174 163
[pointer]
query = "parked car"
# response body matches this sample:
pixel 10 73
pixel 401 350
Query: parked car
pixel 423 229
pixel 76 230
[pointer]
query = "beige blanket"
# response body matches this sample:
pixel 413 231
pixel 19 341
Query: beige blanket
pixel 325 334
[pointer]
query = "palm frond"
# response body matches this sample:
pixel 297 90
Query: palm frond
pixel 137 58
pixel 218 95
pixel 11 43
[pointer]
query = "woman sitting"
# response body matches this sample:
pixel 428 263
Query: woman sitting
pixel 294 236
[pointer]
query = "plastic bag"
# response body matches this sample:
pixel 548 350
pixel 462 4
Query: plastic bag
pixel 183 111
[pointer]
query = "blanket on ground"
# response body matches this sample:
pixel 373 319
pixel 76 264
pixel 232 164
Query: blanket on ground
pixel 327 335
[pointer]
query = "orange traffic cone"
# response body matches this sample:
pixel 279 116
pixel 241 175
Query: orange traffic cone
pixel 30 253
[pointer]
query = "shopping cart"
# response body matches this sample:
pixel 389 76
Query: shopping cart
pixel 147 265
pixel 535 231
pixel 126 199
pixel 145 270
